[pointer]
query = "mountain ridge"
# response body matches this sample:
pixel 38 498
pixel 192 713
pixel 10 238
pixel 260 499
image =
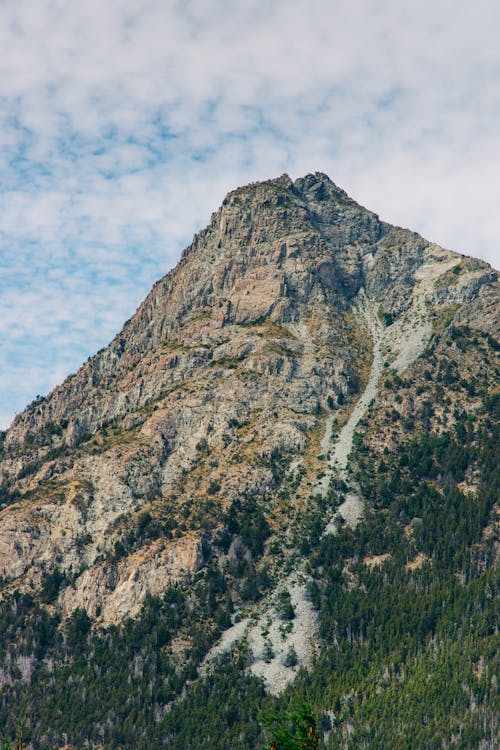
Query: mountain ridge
pixel 261 261
pixel 144 314
pixel 248 465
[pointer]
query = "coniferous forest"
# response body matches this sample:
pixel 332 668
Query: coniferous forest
pixel 410 651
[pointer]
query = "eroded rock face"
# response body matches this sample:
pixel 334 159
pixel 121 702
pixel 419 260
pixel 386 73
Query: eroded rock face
pixel 226 373
pixel 114 591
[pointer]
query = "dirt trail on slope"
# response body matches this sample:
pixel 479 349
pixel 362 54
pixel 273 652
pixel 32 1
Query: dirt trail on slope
pixel 351 509
pixel 402 343
pixel 366 311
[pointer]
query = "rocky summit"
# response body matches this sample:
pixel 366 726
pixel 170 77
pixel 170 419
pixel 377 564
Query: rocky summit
pixel 275 436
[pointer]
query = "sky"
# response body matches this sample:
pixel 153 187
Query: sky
pixel 124 123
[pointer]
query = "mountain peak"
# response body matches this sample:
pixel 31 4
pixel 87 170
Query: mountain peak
pixel 261 310
pixel 304 366
pixel 313 185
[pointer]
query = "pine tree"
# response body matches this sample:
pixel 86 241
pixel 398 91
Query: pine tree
pixel 295 730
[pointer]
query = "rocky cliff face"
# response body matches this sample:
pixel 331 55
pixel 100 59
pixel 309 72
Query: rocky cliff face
pixel 219 389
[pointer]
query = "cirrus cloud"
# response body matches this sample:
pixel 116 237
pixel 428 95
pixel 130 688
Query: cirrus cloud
pixel 123 124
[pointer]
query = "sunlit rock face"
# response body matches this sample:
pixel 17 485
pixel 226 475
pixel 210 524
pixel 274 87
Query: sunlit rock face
pixel 231 367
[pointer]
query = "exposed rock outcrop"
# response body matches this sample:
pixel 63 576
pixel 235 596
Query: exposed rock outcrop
pixel 227 372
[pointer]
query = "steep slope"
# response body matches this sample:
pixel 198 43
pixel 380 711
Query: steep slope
pixel 236 439
pixel 235 353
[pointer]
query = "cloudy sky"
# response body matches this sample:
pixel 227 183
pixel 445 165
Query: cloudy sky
pixel 123 123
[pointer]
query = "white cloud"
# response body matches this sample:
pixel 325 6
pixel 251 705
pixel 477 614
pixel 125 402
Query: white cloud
pixel 123 124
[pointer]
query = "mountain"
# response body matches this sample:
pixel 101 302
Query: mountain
pixel 279 478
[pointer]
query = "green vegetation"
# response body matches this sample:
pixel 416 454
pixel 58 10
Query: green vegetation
pixel 226 362
pixel 410 645
pixel 18 743
pixel 295 730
